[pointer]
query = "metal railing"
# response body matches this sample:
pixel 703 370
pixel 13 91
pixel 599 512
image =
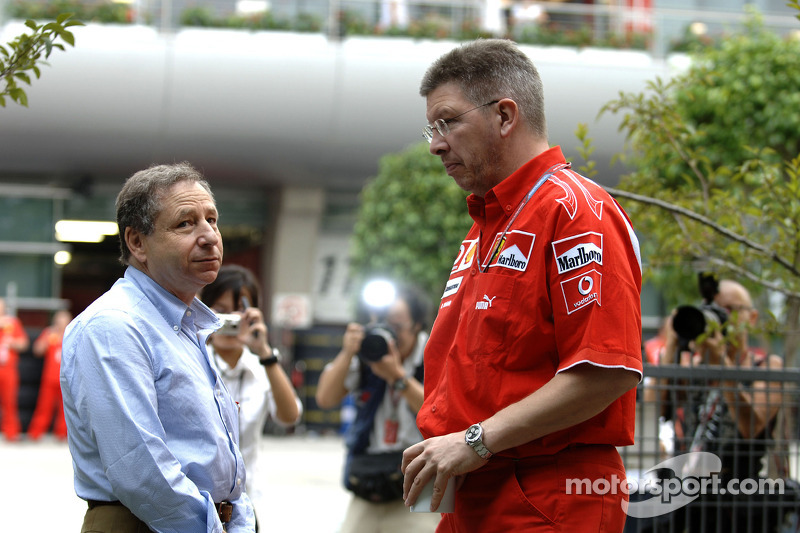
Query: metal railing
pixel 704 462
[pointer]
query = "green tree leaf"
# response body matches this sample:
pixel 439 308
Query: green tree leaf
pixel 410 223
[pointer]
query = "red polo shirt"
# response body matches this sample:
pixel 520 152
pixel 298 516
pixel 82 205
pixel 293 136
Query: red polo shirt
pixel 563 289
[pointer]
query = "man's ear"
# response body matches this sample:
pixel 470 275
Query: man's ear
pixel 753 317
pixel 135 241
pixel 509 116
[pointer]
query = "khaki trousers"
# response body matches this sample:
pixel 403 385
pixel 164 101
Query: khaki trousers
pixel 112 519
pixel 393 517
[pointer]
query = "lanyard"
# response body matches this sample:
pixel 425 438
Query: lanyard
pixel 552 170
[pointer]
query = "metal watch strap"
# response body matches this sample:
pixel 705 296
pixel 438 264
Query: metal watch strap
pixel 476 442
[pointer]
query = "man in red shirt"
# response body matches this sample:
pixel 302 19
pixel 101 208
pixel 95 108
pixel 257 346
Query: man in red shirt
pixel 13 340
pixel 50 404
pixel 535 354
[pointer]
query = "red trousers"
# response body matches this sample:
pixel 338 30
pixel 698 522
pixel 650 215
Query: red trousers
pixel 48 404
pixel 539 494
pixel 9 387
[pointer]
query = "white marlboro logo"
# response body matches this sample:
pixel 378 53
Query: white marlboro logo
pixel 514 251
pixel 582 290
pixel 578 251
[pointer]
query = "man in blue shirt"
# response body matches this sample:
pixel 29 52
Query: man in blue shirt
pixel 152 430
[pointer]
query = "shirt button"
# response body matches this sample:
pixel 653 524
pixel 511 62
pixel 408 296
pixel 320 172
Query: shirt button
pixel 433 409
pixel 473 272
pixel 508 208
pixel 188 313
pixel 176 328
pixel 238 481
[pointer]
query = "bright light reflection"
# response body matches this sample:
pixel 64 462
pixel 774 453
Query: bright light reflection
pixel 84 230
pixel 62 257
pixel 379 293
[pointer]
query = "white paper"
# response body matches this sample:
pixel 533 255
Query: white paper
pixel 423 503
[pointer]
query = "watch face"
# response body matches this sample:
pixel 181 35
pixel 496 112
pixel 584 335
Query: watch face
pixel 473 433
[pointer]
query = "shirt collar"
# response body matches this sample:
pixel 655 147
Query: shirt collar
pixel 170 306
pixel 506 195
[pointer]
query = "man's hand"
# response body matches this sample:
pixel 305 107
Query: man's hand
pixel 441 458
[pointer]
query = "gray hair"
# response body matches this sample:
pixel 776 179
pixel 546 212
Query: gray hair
pixel 139 202
pixel 490 69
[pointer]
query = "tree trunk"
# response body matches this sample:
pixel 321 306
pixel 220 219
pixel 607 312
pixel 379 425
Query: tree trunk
pixel 792 329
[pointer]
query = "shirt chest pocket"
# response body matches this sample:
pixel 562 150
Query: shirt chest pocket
pixel 488 313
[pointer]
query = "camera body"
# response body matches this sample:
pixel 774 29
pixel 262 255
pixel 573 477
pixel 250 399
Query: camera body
pixel 230 324
pixel 690 322
pixel 376 342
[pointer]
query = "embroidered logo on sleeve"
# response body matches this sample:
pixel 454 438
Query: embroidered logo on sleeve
pixel 514 251
pixel 582 290
pixel 466 255
pixel 570 199
pixel 578 251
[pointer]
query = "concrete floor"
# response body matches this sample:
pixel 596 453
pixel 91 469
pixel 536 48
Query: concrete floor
pixel 303 491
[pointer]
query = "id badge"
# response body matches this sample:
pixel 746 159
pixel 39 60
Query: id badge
pixel 390 428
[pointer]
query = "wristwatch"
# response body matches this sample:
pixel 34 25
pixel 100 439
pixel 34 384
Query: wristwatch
pixel 474 437
pixel 400 384
pixel 272 359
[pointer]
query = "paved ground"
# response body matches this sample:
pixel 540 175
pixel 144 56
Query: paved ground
pixel 303 489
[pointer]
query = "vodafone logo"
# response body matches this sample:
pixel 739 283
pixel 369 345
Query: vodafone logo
pixel 585 285
pixel 582 290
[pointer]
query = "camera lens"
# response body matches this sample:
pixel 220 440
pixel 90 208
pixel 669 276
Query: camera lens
pixel 376 343
pixel 690 322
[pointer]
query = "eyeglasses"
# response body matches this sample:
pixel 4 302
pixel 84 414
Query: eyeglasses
pixel 442 125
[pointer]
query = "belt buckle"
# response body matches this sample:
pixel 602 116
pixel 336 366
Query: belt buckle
pixel 225 510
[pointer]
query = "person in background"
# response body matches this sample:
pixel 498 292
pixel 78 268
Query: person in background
pixel 13 340
pixel 49 405
pixel 153 432
pixel 388 393
pixel 731 419
pixel 532 363
pixel 250 368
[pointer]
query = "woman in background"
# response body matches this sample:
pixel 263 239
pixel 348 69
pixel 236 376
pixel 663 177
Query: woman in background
pixel 250 367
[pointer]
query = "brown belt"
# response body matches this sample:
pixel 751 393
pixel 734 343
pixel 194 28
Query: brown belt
pixel 224 509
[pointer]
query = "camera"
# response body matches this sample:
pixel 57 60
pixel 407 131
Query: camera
pixel 376 342
pixel 690 322
pixel 230 324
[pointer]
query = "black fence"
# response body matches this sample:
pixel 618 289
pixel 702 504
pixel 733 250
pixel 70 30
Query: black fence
pixel 716 451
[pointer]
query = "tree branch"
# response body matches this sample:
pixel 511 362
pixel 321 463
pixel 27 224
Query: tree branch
pixel 752 277
pixel 676 209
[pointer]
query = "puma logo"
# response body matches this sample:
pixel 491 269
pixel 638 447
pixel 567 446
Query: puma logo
pixel 485 304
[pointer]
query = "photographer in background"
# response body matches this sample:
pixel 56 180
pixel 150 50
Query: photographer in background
pixel 388 393
pixel 250 368
pixel 734 420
